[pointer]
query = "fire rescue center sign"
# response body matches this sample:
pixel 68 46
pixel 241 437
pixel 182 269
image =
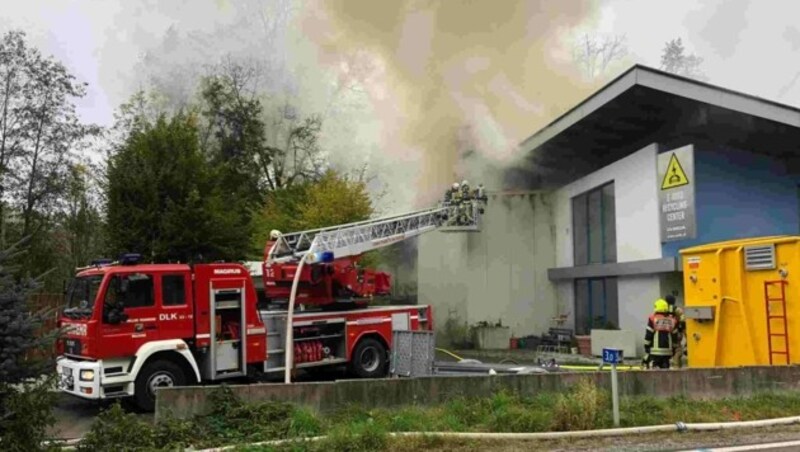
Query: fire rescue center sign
pixel 676 194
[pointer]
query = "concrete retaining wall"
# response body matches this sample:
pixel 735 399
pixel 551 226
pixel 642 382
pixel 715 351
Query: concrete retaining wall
pixel 328 396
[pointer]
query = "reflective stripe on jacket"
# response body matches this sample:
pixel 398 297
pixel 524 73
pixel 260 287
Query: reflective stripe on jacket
pixel 661 334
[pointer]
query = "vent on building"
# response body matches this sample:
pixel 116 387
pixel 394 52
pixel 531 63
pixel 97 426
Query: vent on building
pixel 761 257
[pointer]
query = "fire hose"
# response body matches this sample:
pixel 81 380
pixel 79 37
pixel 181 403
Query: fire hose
pixel 678 427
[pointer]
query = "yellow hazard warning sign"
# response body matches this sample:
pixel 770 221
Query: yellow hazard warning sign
pixel 675 176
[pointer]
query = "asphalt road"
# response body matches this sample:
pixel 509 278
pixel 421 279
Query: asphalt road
pixel 74 416
pixel 784 446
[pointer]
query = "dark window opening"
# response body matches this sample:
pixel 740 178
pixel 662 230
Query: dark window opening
pixel 133 291
pixel 173 290
pixel 594 226
pixel 596 304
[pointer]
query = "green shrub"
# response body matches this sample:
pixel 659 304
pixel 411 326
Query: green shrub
pixel 26 415
pixel 364 436
pixel 235 421
pixel 114 429
pixel 579 408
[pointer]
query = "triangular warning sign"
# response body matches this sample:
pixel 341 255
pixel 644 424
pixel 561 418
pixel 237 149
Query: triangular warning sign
pixel 675 176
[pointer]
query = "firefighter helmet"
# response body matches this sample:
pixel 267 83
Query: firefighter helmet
pixel 464 183
pixel 274 234
pixel 661 305
pixel 455 185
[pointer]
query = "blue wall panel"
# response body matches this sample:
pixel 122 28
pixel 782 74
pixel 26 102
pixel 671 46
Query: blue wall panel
pixel 740 194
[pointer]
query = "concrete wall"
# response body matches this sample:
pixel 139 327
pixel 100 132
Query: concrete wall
pixel 637 232
pixel 185 402
pixel 636 206
pixel 499 273
pixel 740 194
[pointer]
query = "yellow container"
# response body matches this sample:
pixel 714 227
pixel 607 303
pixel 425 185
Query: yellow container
pixel 726 288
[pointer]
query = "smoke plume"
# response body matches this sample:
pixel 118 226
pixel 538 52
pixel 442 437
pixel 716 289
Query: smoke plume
pixel 456 85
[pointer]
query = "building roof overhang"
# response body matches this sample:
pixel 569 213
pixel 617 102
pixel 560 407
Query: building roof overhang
pixel 645 105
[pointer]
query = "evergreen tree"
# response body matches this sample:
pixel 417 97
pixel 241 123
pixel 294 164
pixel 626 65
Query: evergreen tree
pixel 165 200
pixel 26 398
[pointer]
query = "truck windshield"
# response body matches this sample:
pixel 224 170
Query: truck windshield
pixel 80 296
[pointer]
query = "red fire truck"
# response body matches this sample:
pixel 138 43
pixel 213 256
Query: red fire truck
pixel 134 327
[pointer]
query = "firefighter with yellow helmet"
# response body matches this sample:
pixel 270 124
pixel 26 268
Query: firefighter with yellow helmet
pixel 661 336
pixel 680 318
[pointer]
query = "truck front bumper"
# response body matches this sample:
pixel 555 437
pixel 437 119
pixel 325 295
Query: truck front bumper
pixel 79 378
pixel 90 380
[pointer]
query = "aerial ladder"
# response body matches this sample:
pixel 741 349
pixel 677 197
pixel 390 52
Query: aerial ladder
pixel 324 263
pixel 320 266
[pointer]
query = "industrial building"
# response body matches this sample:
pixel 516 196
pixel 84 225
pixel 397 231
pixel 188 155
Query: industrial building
pixel 613 189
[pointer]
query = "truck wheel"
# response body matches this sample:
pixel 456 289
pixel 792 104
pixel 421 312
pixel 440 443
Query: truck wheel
pixel 157 374
pixel 369 359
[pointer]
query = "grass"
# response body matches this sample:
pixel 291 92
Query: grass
pixel 355 428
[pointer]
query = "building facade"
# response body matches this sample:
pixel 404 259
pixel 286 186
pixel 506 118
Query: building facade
pixel 605 247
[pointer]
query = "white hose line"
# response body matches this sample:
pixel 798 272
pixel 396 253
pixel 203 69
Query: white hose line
pixel 677 427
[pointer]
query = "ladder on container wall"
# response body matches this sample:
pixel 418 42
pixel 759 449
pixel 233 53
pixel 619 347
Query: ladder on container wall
pixel 780 316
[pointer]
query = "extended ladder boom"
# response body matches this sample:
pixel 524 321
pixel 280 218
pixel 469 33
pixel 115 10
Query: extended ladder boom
pixel 357 238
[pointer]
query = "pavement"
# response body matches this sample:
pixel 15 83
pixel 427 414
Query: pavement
pixel 74 416
pixel 784 446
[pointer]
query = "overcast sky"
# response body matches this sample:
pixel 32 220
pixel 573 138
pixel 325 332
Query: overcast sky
pixel 752 46
pixel 749 46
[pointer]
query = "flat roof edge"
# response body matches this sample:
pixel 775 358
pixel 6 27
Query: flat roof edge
pixel 669 83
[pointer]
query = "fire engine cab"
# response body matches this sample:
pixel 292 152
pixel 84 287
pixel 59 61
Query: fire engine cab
pixel 133 327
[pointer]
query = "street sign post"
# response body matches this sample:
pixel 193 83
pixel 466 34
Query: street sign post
pixel 613 356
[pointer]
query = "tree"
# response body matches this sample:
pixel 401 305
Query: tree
pixel 164 199
pixel 334 199
pixel 26 400
pixel 595 54
pixel 278 146
pixel 674 60
pixel 40 138
pixel 39 129
pixel 81 223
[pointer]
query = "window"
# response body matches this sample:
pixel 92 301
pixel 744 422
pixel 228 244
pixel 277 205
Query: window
pixel 594 226
pixel 133 291
pixel 596 304
pixel 173 290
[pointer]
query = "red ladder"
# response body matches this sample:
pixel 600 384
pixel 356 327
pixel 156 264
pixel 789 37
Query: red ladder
pixel 772 316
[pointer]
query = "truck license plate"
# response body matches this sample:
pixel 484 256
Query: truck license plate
pixel 67 380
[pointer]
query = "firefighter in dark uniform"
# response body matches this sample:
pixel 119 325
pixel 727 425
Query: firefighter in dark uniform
pixel 457 198
pixel 680 317
pixel 465 210
pixel 660 337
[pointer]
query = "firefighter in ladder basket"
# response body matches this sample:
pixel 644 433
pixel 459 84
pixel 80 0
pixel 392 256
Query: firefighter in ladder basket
pixel 661 336
pixel 464 210
pixel 456 204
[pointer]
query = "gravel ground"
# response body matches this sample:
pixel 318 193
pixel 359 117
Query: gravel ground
pixel 653 442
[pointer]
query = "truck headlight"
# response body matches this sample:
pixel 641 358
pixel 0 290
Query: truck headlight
pixel 87 375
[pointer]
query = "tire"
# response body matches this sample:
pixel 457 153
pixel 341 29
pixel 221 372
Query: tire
pixel 369 359
pixel 155 374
